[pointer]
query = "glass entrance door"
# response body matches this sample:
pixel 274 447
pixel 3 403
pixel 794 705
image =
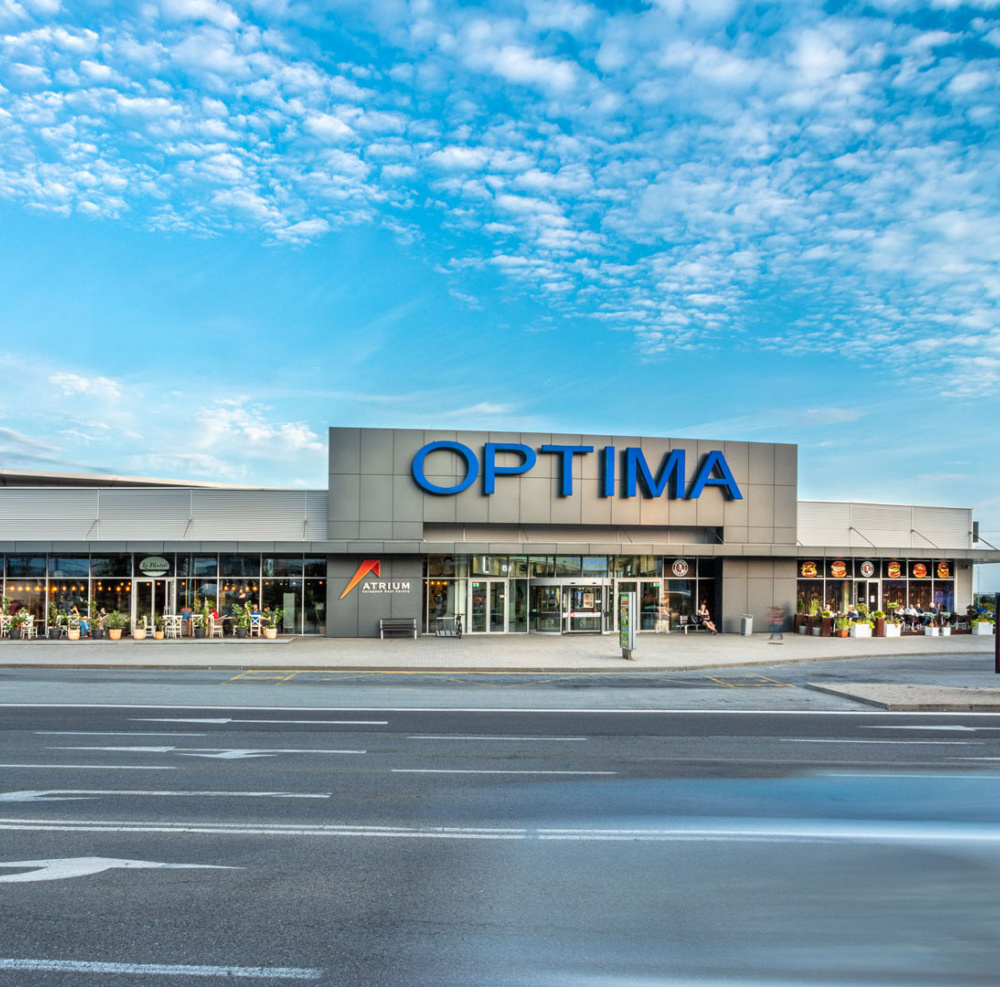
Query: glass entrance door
pixel 151 598
pixel 488 606
pixel 546 609
pixel 584 609
pixel 866 591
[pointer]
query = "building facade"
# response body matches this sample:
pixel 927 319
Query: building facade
pixel 512 533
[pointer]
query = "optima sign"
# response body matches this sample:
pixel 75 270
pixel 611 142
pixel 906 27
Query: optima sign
pixel 636 476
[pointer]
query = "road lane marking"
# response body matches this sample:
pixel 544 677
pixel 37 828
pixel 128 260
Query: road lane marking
pixel 113 733
pixel 737 830
pixel 471 771
pixel 96 767
pixel 925 743
pixel 221 720
pixel 82 794
pixel 164 970
pixel 215 752
pixel 62 868
pixel 454 736
pixel 929 726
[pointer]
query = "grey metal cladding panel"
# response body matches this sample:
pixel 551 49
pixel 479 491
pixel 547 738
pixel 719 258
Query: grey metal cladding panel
pixel 139 504
pixel 127 530
pixel 317 515
pixel 761 462
pixel 376 502
pixel 786 465
pixel 947 527
pixel 739 456
pixel 785 506
pixel 265 515
pixel 345 450
pixel 823 523
pixel 46 530
pixel 345 497
pixel 376 451
pixel 760 505
pixel 885 517
pixel 36 502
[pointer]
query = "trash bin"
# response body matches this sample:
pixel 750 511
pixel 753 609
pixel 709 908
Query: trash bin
pixel 746 624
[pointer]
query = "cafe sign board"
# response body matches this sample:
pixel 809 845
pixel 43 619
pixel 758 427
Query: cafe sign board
pixel 154 565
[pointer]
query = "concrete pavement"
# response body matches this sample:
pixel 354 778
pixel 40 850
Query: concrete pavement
pixel 528 653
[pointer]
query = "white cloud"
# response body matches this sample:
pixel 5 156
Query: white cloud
pixel 71 384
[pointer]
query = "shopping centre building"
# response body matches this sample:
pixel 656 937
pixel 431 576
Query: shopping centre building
pixel 513 533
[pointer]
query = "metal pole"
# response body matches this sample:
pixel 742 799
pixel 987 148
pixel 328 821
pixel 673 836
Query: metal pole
pixel 996 634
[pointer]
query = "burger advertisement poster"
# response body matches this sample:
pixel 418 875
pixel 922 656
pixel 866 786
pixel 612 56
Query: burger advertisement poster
pixel 809 570
pixel 838 569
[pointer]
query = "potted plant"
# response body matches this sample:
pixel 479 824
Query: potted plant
pixel 96 622
pixel 944 618
pixel 242 615
pixel 53 625
pixel 274 618
pixel 893 624
pixel 72 626
pixel 159 625
pixel 17 621
pixel 114 622
pixel 879 617
pixel 139 631
pixel 841 625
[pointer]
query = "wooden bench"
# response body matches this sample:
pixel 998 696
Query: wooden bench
pixel 397 626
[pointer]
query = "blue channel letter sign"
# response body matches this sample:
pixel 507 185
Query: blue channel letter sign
pixel 633 479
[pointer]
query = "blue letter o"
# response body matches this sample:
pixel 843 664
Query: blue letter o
pixel 471 463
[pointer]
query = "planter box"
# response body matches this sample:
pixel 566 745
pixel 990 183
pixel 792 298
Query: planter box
pixel 817 631
pixel 270 633
pixel 945 632
pixel 73 633
pixel 139 634
pixel 932 631
pixel 803 629
pixel 893 630
pixel 861 630
pixel 983 629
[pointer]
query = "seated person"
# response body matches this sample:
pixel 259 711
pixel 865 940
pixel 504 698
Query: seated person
pixel 80 620
pixel 852 613
pixel 705 618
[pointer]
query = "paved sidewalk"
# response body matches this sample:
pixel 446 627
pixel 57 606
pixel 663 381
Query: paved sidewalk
pixel 678 652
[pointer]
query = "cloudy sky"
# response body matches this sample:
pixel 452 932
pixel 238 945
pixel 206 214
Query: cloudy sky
pixel 226 226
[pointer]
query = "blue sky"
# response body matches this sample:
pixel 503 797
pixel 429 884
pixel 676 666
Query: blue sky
pixel 226 226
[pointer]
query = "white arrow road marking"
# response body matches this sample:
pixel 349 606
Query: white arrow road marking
pixel 81 794
pixel 220 752
pixel 175 719
pixel 60 868
pixel 165 970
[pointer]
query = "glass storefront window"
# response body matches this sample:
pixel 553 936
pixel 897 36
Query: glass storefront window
pixel 518 620
pixel 568 565
pixel 29 596
pixel 65 566
pixel 541 566
pixel 26 566
pixel 489 565
pixel 443 598
pixel 197 565
pixel 595 565
pixel 281 565
pixel 314 605
pixel 111 565
pixel 893 591
pixel 944 595
pixel 809 595
pixel 679 599
pixel 284 594
pixel 314 567
pixel 113 594
pixel 239 565
pixel 638 565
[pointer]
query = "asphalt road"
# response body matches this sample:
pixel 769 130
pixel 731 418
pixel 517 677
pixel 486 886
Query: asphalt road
pixel 391 846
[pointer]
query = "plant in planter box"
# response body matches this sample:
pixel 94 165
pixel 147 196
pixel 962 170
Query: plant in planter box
pixel 139 630
pixel 841 625
pixel 878 622
pixel 114 622
pixel 982 625
pixel 96 622
pixel 72 625
pixel 159 625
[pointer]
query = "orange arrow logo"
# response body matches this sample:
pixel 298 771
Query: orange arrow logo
pixel 369 565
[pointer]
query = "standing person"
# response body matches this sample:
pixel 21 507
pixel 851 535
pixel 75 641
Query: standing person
pixel 776 616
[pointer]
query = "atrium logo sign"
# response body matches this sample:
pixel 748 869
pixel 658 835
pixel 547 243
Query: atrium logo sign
pixel 374 566
pixel 636 476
